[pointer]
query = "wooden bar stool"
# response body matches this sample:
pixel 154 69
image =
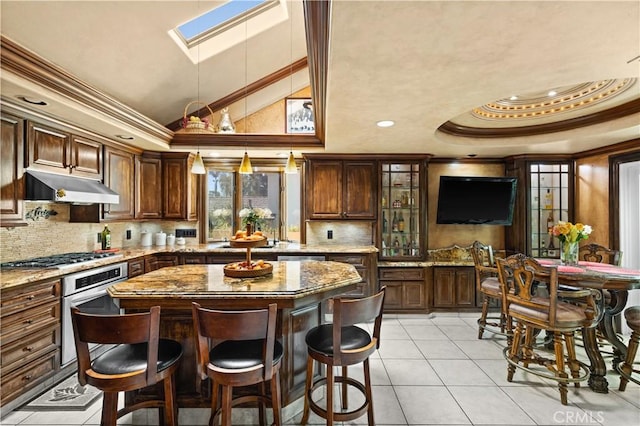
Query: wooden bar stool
pixel 356 345
pixel 238 348
pixel 625 368
pixel 488 284
pixel 140 359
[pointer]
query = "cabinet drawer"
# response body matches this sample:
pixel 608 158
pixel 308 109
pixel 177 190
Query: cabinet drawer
pixel 29 348
pixel 17 300
pixel 401 274
pixel 193 259
pixel 29 321
pixel 23 379
pixel 352 259
pixel 136 267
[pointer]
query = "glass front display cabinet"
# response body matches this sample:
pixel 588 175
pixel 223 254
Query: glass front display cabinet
pixel 400 219
pixel 549 191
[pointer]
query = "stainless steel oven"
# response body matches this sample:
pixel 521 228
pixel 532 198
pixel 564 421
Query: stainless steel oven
pixel 87 290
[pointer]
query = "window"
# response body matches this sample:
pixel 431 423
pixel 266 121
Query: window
pixel 265 189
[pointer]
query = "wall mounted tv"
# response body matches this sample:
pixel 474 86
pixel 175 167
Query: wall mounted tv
pixel 476 200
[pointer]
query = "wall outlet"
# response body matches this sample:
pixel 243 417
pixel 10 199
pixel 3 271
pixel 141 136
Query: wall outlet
pixel 330 234
pixel 187 233
pixel 128 234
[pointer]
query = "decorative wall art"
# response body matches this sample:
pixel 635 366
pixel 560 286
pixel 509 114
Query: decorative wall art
pixel 299 116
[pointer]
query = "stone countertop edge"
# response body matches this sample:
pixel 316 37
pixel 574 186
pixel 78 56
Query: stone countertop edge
pixel 10 278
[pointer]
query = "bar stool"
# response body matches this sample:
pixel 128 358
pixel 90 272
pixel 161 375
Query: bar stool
pixel 356 345
pixel 238 348
pixel 140 359
pixel 625 368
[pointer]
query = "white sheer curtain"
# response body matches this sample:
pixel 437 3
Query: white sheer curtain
pixel 630 225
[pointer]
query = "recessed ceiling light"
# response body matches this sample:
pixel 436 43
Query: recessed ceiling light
pixel 385 123
pixel 552 93
pixel 32 101
pixel 513 98
pixel 472 155
pixel 125 137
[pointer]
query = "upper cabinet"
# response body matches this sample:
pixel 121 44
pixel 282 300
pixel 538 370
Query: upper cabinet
pixel 402 209
pixel 545 196
pixel 119 169
pixel 54 150
pixel 180 187
pixel 148 186
pixel 341 189
pixel 11 173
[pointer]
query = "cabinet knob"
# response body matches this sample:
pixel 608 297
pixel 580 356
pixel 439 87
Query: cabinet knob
pixel 30 297
pixel 27 377
pixel 28 321
pixel 28 349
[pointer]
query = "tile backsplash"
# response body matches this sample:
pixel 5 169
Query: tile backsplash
pixel 48 232
pixel 342 232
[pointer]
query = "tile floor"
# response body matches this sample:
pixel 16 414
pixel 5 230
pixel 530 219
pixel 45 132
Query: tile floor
pixel 432 370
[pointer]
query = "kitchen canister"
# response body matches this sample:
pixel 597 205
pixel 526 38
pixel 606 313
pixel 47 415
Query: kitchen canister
pixel 161 239
pixel 171 239
pixel 145 239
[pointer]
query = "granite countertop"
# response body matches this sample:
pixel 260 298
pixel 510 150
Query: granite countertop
pixel 424 263
pixel 289 279
pixel 15 277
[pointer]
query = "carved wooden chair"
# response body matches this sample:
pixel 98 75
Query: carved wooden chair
pixel 596 253
pixel 551 313
pixel 355 347
pixel 140 359
pixel 239 348
pixel 488 284
pixel 626 368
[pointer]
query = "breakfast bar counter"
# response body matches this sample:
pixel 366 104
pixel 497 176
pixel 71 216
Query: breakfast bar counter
pixel 298 287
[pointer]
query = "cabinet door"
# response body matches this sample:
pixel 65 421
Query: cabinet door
pixel 360 190
pixel 11 173
pixel 119 176
pixel 444 280
pixel 180 187
pixel 325 197
pixel 148 188
pixel 48 148
pixel 86 158
pixel 393 295
pixel 413 295
pixel 465 287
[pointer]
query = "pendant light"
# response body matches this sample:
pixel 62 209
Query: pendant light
pixel 198 165
pixel 245 165
pixel 291 167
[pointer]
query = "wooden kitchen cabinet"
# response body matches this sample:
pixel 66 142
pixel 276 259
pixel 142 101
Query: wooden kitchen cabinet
pixel 406 289
pixel 158 261
pixel 30 335
pixel 180 187
pixel 454 287
pixel 12 171
pixel 366 265
pixel 53 149
pixel 341 189
pixel 148 199
pixel 119 172
pixel 135 267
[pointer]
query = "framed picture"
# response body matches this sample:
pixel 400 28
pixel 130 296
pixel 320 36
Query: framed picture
pixel 299 116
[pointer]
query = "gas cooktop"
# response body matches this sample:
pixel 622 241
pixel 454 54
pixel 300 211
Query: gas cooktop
pixel 56 260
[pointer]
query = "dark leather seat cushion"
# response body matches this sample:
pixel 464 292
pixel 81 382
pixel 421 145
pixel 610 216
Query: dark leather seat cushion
pixel 320 338
pixel 129 358
pixel 235 354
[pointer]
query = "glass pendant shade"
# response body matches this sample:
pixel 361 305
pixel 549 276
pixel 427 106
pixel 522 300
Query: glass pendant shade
pixel 245 165
pixel 198 166
pixel 291 165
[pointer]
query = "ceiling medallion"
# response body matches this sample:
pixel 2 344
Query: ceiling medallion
pixel 566 99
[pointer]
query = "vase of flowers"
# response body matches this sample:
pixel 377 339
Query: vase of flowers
pixel 569 235
pixel 253 218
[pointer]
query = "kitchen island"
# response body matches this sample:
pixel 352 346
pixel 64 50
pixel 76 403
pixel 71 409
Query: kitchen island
pixel 298 287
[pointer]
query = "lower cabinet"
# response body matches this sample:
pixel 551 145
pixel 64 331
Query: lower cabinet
pixel 406 289
pixel 30 335
pixel 454 287
pixel 157 261
pixel 366 266
pixel 135 267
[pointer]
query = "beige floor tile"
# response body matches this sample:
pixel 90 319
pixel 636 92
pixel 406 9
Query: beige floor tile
pixel 440 349
pixel 410 372
pixel 430 405
pixel 458 372
pixel 489 405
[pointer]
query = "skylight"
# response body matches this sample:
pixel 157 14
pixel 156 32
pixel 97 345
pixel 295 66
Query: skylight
pixel 205 25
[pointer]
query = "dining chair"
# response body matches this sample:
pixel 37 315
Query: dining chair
pixel 488 284
pixel 355 346
pixel 139 359
pixel 626 367
pixel 596 253
pixel 239 349
pixel 552 312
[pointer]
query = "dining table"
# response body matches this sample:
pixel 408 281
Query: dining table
pixel 612 285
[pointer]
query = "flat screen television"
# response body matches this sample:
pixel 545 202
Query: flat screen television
pixel 476 200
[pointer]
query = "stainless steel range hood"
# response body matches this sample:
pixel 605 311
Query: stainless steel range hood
pixel 42 186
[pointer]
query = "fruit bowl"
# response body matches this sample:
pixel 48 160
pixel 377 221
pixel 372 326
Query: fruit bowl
pixel 250 242
pixel 240 269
